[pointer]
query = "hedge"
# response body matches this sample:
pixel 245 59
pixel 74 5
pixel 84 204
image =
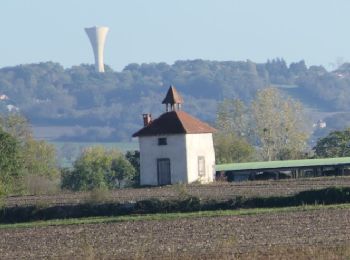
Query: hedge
pixel 333 195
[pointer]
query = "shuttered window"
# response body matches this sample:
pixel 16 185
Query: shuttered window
pixel 201 166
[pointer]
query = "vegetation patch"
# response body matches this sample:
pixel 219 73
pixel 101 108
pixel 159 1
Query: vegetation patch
pixel 170 216
pixel 190 204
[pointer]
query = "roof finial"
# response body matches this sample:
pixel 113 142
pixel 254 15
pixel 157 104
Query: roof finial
pixel 173 99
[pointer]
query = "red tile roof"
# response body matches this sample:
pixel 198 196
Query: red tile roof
pixel 172 97
pixel 175 122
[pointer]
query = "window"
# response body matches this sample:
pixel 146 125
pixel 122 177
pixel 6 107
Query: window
pixel 201 166
pixel 162 141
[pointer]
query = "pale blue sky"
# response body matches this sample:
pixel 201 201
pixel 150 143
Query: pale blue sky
pixel 163 30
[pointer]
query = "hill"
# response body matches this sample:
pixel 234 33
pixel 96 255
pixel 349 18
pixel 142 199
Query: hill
pixel 78 104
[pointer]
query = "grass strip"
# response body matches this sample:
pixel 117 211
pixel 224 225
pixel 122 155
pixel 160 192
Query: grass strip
pixel 170 216
pixel 15 214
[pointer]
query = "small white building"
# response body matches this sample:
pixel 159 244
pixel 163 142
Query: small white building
pixel 175 147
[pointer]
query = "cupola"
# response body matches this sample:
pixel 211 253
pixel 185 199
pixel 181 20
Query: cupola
pixel 172 100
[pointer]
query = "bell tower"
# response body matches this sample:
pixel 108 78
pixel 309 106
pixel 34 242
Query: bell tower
pixel 172 100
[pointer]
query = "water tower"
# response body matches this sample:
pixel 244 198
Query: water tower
pixel 97 36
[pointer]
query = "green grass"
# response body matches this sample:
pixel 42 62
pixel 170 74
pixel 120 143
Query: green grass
pixel 170 216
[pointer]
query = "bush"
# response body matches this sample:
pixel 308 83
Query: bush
pixel 36 185
pixel 98 195
pixel 97 168
pixel 325 196
pixel 163 206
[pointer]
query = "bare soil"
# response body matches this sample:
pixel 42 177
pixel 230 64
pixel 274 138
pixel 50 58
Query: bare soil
pixel 217 190
pixel 314 234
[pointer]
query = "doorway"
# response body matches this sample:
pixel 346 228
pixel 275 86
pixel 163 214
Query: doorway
pixel 163 169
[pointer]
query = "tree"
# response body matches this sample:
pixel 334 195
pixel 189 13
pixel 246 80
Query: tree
pixel 39 158
pixel 134 158
pixel 229 148
pixel 279 125
pixel 335 144
pixel 9 161
pixel 97 167
pixel 233 124
pixel 121 170
pixel 16 125
pixel 233 117
pixel 35 160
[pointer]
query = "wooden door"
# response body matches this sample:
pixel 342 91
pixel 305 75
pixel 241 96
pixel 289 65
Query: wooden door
pixel 163 168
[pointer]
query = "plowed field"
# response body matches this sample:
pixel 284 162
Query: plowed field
pixel 216 190
pixel 313 234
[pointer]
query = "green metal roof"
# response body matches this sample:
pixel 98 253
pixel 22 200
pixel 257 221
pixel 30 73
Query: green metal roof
pixel 282 164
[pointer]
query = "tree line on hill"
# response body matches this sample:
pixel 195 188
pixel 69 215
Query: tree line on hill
pixel 48 94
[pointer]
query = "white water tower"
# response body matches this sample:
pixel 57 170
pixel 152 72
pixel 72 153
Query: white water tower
pixel 97 36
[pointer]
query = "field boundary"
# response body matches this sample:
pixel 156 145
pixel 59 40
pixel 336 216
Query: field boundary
pixel 16 214
pixel 171 216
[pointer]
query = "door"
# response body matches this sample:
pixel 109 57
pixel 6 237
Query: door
pixel 163 168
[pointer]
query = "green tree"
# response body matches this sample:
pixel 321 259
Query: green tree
pixel 9 162
pixel 39 158
pixel 121 170
pixel 16 125
pixel 229 148
pixel 96 168
pixel 134 158
pixel 233 124
pixel 279 125
pixel 233 117
pixel 335 144
pixel 34 158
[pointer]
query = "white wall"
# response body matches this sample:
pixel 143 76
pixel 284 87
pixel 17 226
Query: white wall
pixel 183 151
pixel 150 151
pixel 200 145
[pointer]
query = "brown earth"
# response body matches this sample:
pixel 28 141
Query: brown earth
pixel 217 190
pixel 313 234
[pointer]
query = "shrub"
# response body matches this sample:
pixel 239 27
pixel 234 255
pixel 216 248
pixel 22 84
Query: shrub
pixel 97 168
pixel 324 196
pixel 155 205
pixel 36 185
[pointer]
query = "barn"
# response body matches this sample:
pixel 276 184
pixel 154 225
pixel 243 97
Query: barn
pixel 175 147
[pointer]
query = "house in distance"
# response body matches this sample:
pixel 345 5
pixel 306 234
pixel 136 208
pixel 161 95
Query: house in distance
pixel 175 147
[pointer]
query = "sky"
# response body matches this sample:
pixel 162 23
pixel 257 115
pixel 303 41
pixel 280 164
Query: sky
pixel 144 31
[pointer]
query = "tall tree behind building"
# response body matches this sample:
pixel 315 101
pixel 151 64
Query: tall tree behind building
pixel 233 124
pixel 279 125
